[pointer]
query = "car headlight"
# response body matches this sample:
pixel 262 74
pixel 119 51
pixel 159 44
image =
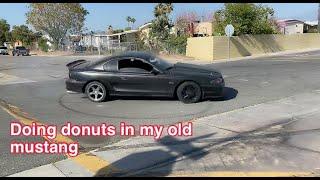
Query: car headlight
pixel 218 80
pixel 215 74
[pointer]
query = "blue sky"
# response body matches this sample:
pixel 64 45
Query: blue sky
pixel 105 14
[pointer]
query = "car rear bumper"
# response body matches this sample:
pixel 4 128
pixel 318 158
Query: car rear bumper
pixel 74 85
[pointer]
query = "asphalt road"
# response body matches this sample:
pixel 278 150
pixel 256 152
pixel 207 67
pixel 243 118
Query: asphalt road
pixel 36 85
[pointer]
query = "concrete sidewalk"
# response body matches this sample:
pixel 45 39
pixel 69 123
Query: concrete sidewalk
pixel 218 134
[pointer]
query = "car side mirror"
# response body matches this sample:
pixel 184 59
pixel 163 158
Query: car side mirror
pixel 155 71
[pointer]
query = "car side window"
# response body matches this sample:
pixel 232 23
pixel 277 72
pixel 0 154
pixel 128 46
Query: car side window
pixel 134 66
pixel 111 65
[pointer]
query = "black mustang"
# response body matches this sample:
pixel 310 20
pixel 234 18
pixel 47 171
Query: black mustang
pixel 143 74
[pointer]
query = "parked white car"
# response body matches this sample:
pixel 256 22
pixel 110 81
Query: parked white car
pixel 4 50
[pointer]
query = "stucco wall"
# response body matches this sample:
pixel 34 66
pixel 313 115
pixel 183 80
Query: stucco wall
pixel 216 47
pixel 200 48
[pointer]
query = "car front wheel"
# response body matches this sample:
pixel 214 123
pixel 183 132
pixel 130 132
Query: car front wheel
pixel 189 92
pixel 96 91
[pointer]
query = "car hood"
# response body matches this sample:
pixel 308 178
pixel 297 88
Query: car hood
pixel 194 68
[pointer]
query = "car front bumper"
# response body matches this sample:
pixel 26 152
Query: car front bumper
pixel 213 90
pixel 24 53
pixel 74 85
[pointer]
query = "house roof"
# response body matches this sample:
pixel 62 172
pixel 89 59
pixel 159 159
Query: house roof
pixel 311 23
pixel 289 21
pixel 145 25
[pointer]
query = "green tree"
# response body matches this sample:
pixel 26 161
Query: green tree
pixel 177 44
pixel 4 31
pixel 163 9
pixel 183 20
pixel 42 42
pixel 117 31
pixel 24 34
pixel 247 18
pixel 57 19
pixel 161 25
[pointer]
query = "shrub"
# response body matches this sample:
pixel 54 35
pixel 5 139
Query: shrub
pixel 177 44
pixel 42 42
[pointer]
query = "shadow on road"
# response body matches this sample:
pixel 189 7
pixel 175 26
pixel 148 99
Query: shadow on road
pixel 163 159
pixel 140 161
pixel 228 94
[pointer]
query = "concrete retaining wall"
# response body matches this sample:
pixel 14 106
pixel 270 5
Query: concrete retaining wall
pixel 216 47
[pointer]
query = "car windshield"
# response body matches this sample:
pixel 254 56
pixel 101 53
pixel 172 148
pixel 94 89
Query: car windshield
pixel 161 63
pixel 3 47
pixel 21 47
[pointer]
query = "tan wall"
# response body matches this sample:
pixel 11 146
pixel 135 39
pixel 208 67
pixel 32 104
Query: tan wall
pixel 200 48
pixel 216 47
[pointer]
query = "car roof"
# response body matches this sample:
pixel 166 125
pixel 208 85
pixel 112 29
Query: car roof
pixel 135 54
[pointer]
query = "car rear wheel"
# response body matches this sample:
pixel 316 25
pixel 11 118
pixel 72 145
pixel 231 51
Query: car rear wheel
pixel 189 92
pixel 96 91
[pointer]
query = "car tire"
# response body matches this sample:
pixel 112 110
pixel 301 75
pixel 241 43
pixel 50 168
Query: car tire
pixel 189 92
pixel 96 91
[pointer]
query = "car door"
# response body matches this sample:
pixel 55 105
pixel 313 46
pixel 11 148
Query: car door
pixel 135 77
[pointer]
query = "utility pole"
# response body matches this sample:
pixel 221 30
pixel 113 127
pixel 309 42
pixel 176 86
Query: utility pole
pixel 319 18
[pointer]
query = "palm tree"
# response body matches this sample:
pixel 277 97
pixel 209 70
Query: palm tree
pixel 129 19
pixel 133 20
pixel 162 8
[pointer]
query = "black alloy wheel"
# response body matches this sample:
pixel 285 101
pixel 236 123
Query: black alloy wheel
pixel 189 92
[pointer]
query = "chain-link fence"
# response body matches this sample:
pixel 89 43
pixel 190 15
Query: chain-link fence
pixel 108 48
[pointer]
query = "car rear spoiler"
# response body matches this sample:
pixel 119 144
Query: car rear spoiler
pixel 75 63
